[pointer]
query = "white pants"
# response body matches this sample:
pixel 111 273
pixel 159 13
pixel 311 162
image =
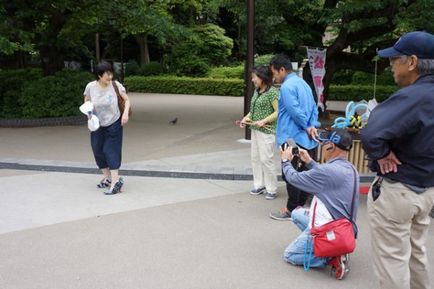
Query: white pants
pixel 263 164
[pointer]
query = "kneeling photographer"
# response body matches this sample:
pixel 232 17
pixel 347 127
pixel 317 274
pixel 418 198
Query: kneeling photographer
pixel 335 186
pixel 296 196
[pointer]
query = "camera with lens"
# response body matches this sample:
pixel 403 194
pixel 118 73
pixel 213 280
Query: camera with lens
pixel 290 143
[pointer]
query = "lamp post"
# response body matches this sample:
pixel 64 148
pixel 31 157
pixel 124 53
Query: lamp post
pixel 248 91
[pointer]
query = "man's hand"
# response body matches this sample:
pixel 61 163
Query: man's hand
pixel 304 156
pixel 389 163
pixel 313 133
pixel 286 154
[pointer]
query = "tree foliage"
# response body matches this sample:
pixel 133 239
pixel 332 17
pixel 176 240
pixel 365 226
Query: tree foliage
pixel 355 28
pixel 200 33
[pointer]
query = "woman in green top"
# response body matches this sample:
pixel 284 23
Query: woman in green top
pixel 262 119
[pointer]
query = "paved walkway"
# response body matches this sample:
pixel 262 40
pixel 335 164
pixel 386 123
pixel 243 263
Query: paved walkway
pixel 57 230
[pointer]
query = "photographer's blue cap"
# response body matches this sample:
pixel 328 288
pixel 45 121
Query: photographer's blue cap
pixel 340 137
pixel 417 43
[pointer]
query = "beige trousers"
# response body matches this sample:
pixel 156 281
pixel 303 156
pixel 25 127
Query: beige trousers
pixel 263 149
pixel 399 223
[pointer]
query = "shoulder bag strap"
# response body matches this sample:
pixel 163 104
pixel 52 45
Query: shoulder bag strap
pixel 120 99
pixel 354 194
pixel 116 89
pixel 352 201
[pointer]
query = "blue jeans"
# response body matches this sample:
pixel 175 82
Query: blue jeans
pixel 295 252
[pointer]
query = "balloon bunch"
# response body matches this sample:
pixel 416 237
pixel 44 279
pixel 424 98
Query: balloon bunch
pixel 352 117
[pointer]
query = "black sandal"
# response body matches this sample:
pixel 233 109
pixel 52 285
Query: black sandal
pixel 105 183
pixel 116 188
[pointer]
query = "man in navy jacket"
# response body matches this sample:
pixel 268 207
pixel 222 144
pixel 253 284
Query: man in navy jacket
pixel 399 140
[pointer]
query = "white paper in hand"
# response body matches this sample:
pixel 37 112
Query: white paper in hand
pixel 86 108
pixel 93 123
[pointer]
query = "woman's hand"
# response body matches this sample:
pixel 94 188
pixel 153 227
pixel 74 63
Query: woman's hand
pixel 125 118
pixel 244 121
pixel 261 123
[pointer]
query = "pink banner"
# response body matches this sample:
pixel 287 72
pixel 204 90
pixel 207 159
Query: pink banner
pixel 317 59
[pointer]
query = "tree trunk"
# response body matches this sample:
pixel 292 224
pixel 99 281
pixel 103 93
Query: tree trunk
pixel 330 70
pixel 97 48
pixel 50 50
pixel 142 40
pixel 51 60
pixel 307 76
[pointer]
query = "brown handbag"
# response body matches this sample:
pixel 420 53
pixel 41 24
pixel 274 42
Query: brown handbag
pixel 121 101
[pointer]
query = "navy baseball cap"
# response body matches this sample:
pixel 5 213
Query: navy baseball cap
pixel 417 43
pixel 340 137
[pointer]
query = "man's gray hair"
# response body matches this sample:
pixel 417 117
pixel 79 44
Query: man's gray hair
pixel 425 66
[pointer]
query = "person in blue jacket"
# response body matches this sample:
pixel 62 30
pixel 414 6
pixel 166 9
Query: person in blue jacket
pixel 399 140
pixel 296 119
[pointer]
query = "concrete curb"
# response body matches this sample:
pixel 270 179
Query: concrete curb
pixel 145 173
pixel 37 122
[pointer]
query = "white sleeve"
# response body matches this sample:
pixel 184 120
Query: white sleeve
pixel 121 87
pixel 87 90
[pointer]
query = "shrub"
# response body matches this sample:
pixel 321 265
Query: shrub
pixel 58 95
pixel 343 77
pixel 346 76
pixel 191 66
pixel 263 59
pixel 214 45
pixel 12 82
pixel 385 78
pixel 201 46
pixel 185 85
pixel 132 68
pixel 359 92
pixel 227 72
pixel 152 68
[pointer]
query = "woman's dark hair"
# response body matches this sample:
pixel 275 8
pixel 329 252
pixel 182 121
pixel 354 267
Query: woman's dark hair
pixel 281 60
pixel 102 67
pixel 264 73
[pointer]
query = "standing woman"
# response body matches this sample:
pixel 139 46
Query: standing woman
pixel 262 118
pixel 107 140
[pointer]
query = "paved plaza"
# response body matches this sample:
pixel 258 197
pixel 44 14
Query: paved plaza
pixel 185 219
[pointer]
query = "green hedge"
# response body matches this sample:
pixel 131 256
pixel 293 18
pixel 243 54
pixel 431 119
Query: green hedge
pixel 359 92
pixel 235 87
pixel 12 83
pixel 35 96
pixel 185 85
pixel 152 68
pixel 58 95
pixel 236 72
